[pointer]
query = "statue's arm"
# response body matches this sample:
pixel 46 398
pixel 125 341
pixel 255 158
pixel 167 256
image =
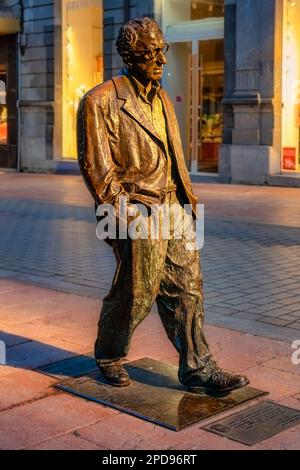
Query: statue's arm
pixel 94 155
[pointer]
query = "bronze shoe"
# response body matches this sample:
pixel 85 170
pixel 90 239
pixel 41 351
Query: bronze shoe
pixel 214 379
pixel 115 374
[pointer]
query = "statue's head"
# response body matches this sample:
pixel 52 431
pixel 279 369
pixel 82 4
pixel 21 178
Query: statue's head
pixel 141 45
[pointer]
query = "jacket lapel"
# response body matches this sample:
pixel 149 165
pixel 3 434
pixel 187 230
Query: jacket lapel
pixel 131 105
pixel 170 120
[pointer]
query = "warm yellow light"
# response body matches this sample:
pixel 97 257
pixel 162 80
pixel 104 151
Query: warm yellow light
pixel 82 34
pixel 68 33
pixel 80 90
pixel 291 78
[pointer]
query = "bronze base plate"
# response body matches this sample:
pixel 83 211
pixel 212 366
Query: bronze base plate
pixel 156 395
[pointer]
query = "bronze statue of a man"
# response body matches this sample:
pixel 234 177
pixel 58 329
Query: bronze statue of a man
pixel 129 145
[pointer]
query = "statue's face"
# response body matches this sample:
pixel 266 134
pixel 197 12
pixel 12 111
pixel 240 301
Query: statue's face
pixel 149 55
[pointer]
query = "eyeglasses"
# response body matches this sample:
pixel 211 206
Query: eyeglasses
pixel 150 55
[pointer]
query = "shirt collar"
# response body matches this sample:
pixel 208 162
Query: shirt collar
pixel 140 89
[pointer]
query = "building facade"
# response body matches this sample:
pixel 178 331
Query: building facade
pixel 233 74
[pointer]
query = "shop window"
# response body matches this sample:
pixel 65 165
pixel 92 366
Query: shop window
pixel 186 10
pixel 211 54
pixel 207 9
pixel 194 79
pixel 82 54
pixel 291 87
pixel 3 110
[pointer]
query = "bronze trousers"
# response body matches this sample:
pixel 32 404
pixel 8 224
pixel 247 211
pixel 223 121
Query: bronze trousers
pixel 155 270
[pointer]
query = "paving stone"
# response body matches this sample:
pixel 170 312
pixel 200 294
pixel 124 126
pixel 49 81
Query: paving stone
pixel 22 386
pixel 66 442
pixel 284 364
pixel 157 346
pixel 205 441
pixel 275 321
pixel 125 432
pixel 291 317
pixel 34 354
pixel 52 416
pixel 280 385
pixel 276 312
pixel 247 352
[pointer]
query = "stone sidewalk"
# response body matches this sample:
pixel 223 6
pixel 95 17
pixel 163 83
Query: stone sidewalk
pixel 41 326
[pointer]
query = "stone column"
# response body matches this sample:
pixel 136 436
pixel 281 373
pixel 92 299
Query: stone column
pixel 251 150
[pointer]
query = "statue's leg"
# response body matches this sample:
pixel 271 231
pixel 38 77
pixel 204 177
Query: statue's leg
pixel 180 305
pixel 134 288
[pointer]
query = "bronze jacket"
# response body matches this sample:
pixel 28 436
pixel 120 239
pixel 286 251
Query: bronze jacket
pixel 119 150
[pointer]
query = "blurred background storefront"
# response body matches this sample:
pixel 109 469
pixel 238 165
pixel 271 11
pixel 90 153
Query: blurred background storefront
pixel 52 57
pixel 9 27
pixel 82 62
pixel 291 87
pixel 233 74
pixel 195 77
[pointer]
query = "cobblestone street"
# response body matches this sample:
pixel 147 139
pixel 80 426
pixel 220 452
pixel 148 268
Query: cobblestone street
pixel 250 260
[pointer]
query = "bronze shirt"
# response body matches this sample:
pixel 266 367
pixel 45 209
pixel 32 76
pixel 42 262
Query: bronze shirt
pixel 152 107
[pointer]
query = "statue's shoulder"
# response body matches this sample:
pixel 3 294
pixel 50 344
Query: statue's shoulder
pixel 104 96
pixel 106 89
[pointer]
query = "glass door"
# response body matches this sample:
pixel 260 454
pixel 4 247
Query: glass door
pixel 210 116
pixel 178 81
pixel 195 82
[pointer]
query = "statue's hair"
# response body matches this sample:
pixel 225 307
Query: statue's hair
pixel 128 35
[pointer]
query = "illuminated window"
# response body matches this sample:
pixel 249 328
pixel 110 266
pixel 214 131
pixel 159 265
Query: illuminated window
pixel 291 87
pixel 201 9
pixel 186 10
pixel 3 110
pixel 82 42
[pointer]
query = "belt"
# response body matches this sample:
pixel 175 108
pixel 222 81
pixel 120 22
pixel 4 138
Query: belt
pixel 169 189
pixel 131 188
